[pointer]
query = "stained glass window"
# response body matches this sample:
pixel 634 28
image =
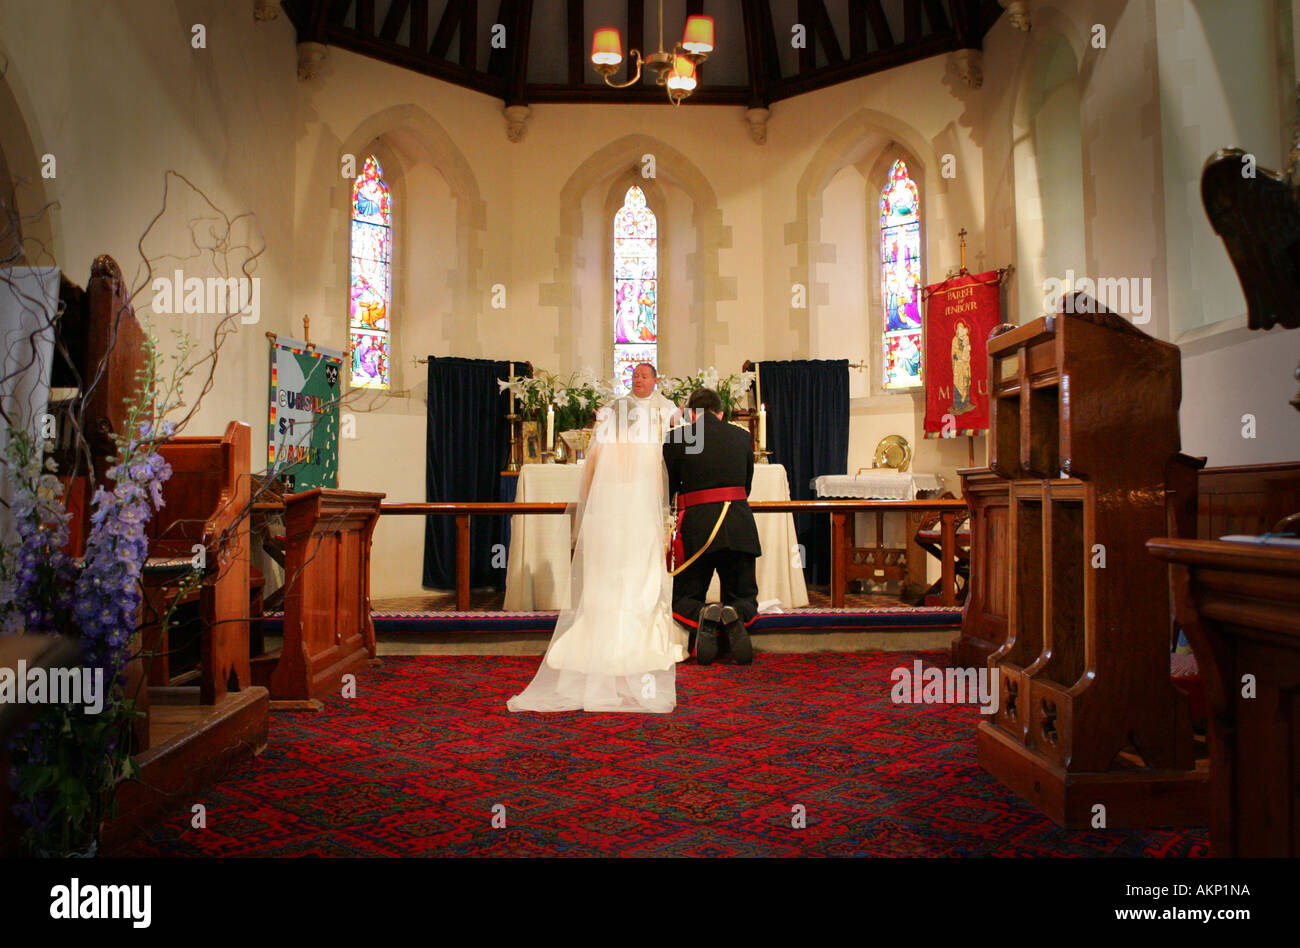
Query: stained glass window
pixel 369 319
pixel 900 279
pixel 636 288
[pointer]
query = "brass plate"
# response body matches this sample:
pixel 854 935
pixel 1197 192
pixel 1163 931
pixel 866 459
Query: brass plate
pixel 894 452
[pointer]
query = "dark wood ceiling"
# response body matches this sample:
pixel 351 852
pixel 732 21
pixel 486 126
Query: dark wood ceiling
pixel 545 57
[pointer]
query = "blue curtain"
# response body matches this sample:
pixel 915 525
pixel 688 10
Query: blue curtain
pixel 467 448
pixel 808 432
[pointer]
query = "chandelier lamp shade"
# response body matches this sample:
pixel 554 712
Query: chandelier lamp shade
pixel 675 70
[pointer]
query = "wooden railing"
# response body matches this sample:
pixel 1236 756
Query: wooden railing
pixel 838 509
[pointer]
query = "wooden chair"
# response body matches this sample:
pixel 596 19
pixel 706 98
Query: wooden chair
pixel 929 537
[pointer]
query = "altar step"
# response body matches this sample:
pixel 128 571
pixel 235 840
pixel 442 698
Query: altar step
pixel 884 628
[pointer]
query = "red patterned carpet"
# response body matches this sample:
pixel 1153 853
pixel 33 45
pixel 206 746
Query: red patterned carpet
pixel 416 764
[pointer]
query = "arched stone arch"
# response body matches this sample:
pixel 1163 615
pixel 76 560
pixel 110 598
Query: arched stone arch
pixel 852 141
pixel 708 286
pixel 1051 25
pixel 411 134
pixel 1038 179
pixel 22 145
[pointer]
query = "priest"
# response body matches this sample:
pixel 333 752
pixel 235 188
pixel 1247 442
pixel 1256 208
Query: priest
pixel 645 401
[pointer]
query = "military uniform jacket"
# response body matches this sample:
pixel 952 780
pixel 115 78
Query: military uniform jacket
pixel 724 458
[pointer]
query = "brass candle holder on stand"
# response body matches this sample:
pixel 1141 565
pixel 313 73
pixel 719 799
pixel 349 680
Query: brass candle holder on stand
pixel 761 456
pixel 516 442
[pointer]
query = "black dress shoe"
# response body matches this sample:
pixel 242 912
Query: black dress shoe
pixel 706 638
pixel 737 636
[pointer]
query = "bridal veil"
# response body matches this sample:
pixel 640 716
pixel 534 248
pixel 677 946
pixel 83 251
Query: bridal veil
pixel 616 647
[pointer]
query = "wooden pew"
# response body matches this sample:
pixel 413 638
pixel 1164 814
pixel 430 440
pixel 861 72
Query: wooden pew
pixel 206 509
pixel 104 348
pixel 1248 499
pixel 1239 604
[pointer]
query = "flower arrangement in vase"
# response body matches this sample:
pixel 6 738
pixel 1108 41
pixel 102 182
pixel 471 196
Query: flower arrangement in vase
pixel 66 763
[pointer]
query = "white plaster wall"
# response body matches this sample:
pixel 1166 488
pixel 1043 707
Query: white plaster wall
pixel 118 96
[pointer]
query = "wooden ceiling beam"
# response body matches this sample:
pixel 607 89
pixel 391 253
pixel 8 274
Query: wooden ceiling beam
pixel 938 18
pixel 967 22
pixel 879 24
pixel 446 30
pixel 469 34
pixel 499 59
pixel 857 29
pixel 808 53
pixel 635 35
pixel 826 33
pixel 771 54
pixel 517 84
pixel 419 38
pixel 339 10
pixel 393 20
pixel 911 22
pixel 366 17
pixel 577 35
pixel 751 23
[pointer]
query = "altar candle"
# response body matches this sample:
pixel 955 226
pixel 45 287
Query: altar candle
pixel 762 427
pixel 550 427
pixel 510 379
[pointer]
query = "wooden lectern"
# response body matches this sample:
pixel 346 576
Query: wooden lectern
pixel 327 627
pixel 1084 431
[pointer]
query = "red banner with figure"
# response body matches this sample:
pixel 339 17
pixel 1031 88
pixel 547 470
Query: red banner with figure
pixel 960 314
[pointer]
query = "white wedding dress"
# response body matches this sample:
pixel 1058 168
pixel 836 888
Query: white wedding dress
pixel 616 647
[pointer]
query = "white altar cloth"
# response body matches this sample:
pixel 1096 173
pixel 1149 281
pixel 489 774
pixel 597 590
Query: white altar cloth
pixel 876 484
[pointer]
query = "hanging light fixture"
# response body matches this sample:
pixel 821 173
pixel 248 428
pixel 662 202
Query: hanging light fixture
pixel 674 70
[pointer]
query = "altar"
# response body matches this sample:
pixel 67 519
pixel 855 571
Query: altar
pixel 537 573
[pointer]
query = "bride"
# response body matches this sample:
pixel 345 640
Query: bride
pixel 616 647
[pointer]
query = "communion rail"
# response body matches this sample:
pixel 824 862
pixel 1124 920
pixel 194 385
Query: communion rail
pixel 838 509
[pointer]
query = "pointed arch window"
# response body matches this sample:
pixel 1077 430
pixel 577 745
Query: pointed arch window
pixel 636 287
pixel 900 280
pixel 370 288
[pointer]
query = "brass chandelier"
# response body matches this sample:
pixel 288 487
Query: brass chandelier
pixel 674 70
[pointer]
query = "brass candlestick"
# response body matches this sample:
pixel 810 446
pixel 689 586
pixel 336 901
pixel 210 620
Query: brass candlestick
pixel 516 448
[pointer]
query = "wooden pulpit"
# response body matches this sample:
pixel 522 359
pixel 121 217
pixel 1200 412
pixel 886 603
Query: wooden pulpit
pixel 1084 433
pixel 328 632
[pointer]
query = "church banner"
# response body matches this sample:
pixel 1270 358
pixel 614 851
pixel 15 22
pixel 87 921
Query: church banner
pixel 960 314
pixel 302 441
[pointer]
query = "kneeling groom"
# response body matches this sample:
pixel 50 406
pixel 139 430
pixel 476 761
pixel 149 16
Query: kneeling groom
pixel 710 469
